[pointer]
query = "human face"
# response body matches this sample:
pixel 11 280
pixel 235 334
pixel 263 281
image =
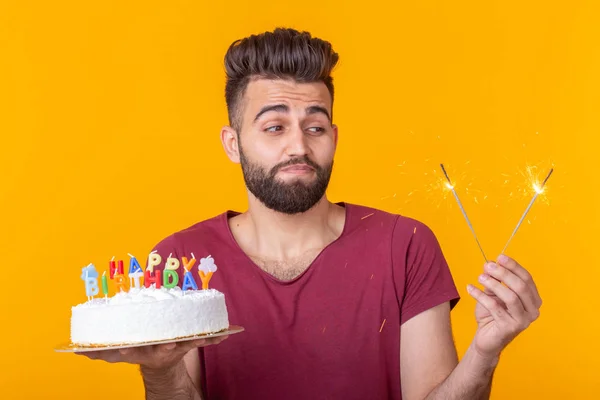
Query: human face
pixel 287 142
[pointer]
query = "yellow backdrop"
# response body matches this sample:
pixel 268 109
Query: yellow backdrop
pixel 110 115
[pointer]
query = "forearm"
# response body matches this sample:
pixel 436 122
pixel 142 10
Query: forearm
pixel 172 384
pixel 471 379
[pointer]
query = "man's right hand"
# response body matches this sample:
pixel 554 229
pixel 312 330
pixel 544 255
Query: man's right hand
pixel 153 357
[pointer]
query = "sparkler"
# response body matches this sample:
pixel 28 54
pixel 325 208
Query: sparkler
pixel 539 189
pixel 462 209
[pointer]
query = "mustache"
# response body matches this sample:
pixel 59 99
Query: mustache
pixel 296 161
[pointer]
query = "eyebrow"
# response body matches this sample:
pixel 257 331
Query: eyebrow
pixel 318 109
pixel 282 108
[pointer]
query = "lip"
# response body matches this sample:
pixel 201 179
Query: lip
pixel 298 168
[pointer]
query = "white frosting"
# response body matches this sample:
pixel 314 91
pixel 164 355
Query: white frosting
pixel 148 314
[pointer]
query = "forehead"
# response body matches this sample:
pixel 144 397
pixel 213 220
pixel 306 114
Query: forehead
pixel 261 92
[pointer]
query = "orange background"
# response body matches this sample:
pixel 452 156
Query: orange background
pixel 110 115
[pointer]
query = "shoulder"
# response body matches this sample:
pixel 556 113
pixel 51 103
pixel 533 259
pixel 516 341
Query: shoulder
pixel 214 228
pixel 402 227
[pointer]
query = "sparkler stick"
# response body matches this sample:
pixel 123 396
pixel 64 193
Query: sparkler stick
pixel 538 190
pixel 451 187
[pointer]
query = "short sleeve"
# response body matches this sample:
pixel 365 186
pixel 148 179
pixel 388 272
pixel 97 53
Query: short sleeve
pixel 427 279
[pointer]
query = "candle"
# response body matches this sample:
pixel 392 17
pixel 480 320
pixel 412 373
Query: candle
pixel 135 272
pixel 149 279
pixel 135 279
pixel 187 265
pixel 90 279
pixel 104 284
pixel 170 278
pixel 206 269
pixel 115 269
pixel 112 268
pixel 154 259
pixel 120 282
pixel 172 263
pixel 134 265
pixel 189 282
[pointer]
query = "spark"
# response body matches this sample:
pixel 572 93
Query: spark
pixel 382 324
pixel 415 231
pixel 367 216
pixel 538 190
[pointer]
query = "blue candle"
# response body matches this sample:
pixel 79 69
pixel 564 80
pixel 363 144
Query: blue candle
pixel 134 265
pixel 89 275
pixel 189 282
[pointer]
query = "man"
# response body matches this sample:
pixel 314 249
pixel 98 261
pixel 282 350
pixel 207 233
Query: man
pixel 338 301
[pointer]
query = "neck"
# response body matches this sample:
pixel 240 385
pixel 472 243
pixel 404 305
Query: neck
pixel 274 235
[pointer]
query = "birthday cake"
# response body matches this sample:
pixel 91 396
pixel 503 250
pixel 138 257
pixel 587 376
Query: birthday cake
pixel 156 310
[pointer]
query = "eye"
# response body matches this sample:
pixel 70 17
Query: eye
pixel 274 129
pixel 316 129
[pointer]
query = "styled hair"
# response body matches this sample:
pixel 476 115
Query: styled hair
pixel 281 54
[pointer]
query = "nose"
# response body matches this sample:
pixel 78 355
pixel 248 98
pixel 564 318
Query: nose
pixel 296 145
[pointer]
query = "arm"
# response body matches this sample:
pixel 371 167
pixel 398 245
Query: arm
pixel 471 379
pixel 181 381
pixel 429 363
pixel 429 368
pixel 169 371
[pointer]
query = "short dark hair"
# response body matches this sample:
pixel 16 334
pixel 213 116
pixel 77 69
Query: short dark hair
pixel 281 54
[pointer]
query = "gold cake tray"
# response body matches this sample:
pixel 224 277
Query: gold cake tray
pixel 78 348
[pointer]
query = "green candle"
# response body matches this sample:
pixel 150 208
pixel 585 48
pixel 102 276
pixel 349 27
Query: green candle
pixel 104 284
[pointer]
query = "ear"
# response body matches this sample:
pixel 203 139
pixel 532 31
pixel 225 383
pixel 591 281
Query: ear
pixel 335 136
pixel 229 140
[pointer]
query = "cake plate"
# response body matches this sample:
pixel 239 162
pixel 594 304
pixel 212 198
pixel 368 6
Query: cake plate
pixel 71 348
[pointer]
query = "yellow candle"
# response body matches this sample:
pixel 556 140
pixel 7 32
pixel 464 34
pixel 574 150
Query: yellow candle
pixel 154 260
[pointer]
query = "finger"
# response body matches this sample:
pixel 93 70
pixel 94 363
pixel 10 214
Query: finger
pixel 493 306
pixel 511 300
pixel 166 347
pixel 522 273
pixel 216 340
pixel 186 346
pixel 111 356
pixel 524 291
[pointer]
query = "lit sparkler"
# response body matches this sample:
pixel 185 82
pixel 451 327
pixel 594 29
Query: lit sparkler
pixel 450 186
pixel 539 189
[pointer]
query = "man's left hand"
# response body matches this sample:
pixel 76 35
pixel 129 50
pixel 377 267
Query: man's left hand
pixel 509 303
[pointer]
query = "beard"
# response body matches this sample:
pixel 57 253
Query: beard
pixel 288 198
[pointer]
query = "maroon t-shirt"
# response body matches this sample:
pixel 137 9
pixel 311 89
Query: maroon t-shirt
pixel 334 331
